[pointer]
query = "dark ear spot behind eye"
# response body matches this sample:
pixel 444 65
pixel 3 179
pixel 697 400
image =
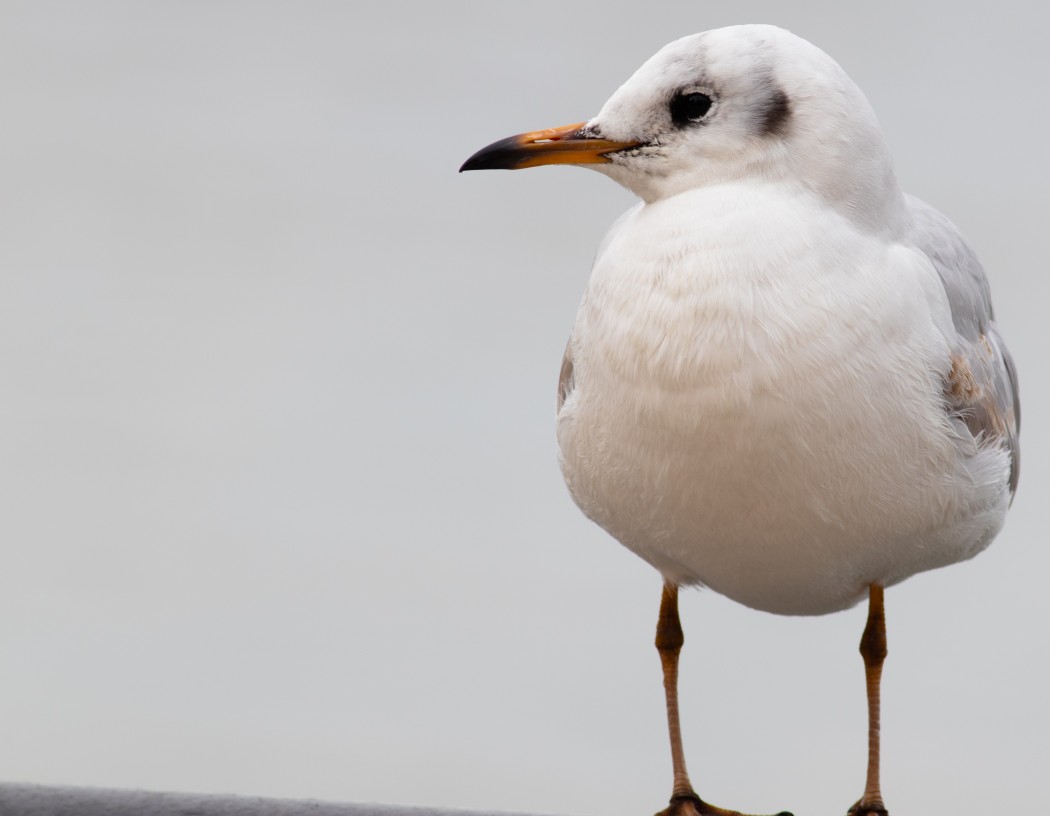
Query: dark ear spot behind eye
pixel 776 115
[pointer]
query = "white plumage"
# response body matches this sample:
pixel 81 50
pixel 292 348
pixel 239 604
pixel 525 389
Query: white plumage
pixel 765 416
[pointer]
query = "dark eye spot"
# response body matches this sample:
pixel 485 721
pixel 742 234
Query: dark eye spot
pixel 689 107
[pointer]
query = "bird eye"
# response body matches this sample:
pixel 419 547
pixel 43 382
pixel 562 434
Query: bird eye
pixel 689 107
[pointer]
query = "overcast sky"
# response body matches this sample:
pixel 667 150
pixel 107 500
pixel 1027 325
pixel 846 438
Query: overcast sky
pixel 279 504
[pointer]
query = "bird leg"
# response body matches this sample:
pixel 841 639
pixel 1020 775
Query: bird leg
pixel 873 650
pixel 669 640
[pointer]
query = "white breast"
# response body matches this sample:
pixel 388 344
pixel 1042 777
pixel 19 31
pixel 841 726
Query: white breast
pixel 757 404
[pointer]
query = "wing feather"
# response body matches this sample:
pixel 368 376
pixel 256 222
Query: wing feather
pixel 980 383
pixel 566 379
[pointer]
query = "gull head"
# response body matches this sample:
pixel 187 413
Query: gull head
pixel 744 103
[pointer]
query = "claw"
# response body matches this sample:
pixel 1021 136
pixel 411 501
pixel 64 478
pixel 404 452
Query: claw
pixel 692 805
pixel 874 809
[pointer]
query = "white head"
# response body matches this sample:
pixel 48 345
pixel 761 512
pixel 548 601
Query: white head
pixel 745 102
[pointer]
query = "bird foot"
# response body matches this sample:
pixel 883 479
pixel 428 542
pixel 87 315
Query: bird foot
pixel 868 809
pixel 693 805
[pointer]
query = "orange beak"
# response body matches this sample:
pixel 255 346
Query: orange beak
pixel 560 145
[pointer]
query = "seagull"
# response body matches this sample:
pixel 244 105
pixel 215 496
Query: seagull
pixel 785 382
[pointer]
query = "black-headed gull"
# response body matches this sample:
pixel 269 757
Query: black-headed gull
pixel 785 382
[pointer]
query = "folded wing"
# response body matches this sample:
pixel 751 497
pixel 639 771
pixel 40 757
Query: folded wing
pixel 980 384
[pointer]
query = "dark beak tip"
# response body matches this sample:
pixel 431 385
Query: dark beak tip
pixel 471 164
pixel 482 162
pixel 502 155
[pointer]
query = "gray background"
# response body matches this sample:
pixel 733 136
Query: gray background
pixel 280 509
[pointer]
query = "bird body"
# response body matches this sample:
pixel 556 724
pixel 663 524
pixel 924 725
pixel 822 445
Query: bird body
pixel 757 402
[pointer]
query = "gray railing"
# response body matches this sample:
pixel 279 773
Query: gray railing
pixel 43 800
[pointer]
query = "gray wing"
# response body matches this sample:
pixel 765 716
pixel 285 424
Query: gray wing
pixel 980 386
pixel 567 378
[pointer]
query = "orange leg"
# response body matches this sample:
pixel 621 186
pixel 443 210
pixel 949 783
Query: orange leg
pixel 873 650
pixel 669 640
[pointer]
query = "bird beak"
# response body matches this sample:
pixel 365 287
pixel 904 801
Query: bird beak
pixel 560 145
